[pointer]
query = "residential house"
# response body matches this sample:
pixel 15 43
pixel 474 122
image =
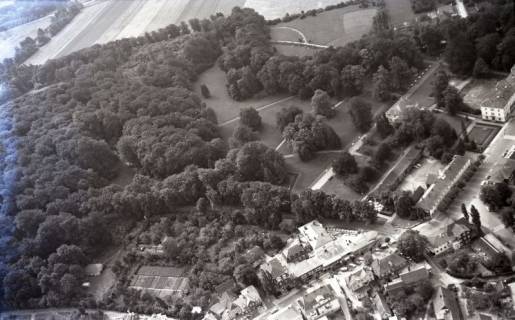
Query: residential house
pixel 248 303
pixel 296 251
pixel 382 306
pixel 414 276
pixel 318 303
pixel 394 286
pixel 359 280
pixel 498 105
pixel 275 270
pixel 446 305
pixel 388 266
pixel 222 304
pixel 495 246
pixel 453 236
pixel 315 234
pixel 438 195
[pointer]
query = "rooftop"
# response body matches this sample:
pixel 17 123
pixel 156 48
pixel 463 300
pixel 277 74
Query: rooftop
pixel 503 170
pixel 315 234
pixel 405 164
pixel 504 94
pixel 414 276
pixel 388 264
pixel 359 279
pixel 444 181
pixel 446 305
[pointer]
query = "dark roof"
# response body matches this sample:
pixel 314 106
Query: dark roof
pixel 293 250
pixel 419 192
pixel 388 264
pixel 311 299
pixel 414 275
pixel 446 299
pixel 406 163
pixel 276 269
pixel 160 271
pixel 226 286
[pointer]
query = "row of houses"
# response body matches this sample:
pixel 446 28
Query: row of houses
pixel 315 250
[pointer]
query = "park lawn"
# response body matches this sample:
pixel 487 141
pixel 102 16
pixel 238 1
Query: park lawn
pixel 224 106
pixel 307 172
pixel 477 90
pixel 400 11
pixel 335 27
pixel 297 51
pixel 336 187
pixel 283 34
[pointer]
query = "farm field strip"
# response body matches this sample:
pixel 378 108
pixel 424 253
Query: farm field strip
pixel 58 43
pixel 272 9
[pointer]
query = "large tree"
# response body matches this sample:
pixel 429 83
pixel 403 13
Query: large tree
pixel 345 164
pixel 251 118
pixel 460 54
pixel 412 245
pixel 321 104
pixel 361 114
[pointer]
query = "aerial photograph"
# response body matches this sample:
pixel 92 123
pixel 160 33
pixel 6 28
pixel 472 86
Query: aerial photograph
pixel 257 159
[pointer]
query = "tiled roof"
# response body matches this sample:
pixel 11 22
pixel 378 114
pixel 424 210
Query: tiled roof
pixel 388 264
pixel 441 185
pixel 446 303
pixel 414 276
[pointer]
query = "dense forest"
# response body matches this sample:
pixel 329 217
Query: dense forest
pixel 79 121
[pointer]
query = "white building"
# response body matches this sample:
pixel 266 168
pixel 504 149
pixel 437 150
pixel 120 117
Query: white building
pixel 498 106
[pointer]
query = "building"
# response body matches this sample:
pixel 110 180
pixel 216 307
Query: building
pixel 498 105
pixel 492 246
pixel 275 271
pixel 382 306
pixel 446 305
pixel 296 251
pixel 249 302
pixel 453 236
pixel 315 234
pixel 318 303
pixel 388 266
pixel 438 195
pixel 394 286
pixel 328 253
pixel 359 280
pixel 161 281
pixel 395 113
pixel 398 173
pixel 503 171
pixel 414 276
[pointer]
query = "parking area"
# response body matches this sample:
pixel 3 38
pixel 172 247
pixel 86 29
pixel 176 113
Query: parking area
pixel 418 177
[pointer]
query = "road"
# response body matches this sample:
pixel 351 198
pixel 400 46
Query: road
pixel 470 194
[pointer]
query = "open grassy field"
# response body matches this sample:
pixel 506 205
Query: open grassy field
pixel 400 11
pixel 290 50
pixel 272 9
pixel 336 27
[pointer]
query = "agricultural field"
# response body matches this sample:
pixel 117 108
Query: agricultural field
pixel 104 21
pixel 11 38
pixel 272 9
pixel 336 27
pixel 400 12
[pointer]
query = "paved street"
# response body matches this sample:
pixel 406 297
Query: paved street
pixel 470 194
